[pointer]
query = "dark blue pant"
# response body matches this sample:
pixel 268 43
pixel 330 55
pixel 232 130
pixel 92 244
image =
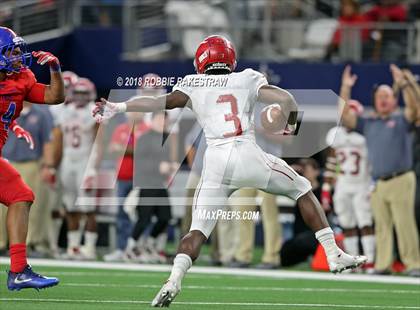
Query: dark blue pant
pixel 124 225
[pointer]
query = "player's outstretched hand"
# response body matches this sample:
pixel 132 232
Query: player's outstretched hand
pixel 21 133
pixel 47 58
pixel 105 109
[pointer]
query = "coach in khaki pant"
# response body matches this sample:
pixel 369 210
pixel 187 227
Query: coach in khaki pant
pixel 389 143
pixel 393 204
pixel 246 230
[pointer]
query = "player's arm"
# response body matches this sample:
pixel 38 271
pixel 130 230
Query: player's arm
pixel 54 93
pixel 270 94
pixel 49 94
pixel 106 109
pixel 349 118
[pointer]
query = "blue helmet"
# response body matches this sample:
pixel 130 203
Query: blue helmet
pixel 9 42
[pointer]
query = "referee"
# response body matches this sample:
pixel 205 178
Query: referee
pixel 389 141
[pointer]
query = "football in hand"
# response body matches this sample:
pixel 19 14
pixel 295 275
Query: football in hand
pixel 273 119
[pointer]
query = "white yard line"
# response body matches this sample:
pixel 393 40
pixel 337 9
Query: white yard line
pixel 253 304
pixel 281 274
pixel 251 288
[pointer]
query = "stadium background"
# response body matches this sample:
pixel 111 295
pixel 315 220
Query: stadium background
pixel 106 39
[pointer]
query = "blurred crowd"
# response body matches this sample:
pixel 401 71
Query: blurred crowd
pixel 367 181
pixel 310 30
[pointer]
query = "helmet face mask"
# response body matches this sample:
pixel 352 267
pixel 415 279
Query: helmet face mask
pixel 83 92
pixel 13 52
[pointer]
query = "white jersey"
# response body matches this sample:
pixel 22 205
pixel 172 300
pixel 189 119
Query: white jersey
pixel 224 104
pixel 56 112
pixel 77 126
pixel 352 157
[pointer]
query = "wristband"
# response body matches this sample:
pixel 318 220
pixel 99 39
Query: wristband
pixel 55 67
pixel 121 107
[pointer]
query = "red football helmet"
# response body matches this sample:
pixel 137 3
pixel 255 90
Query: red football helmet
pixel 215 52
pixel 70 78
pixel 84 91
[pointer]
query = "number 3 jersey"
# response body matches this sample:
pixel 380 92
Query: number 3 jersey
pixel 77 126
pixel 13 91
pixel 224 104
pixel 352 157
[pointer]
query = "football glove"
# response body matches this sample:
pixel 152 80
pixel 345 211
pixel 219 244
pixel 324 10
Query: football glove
pixel 47 58
pixel 21 133
pixel 105 109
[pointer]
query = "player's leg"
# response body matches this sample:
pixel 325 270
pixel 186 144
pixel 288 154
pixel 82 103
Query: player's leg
pixel 85 203
pixel 344 209
pixel 17 229
pixel 68 179
pixel 208 199
pixel 285 181
pixel 73 232
pixel 363 212
pixel 88 251
pixel 18 197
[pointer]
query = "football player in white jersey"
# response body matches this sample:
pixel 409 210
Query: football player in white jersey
pixel 79 132
pixel 223 102
pixel 347 163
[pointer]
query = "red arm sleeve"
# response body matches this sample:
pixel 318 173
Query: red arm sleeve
pixel 36 94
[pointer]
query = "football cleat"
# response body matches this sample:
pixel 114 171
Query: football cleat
pixel 343 261
pixel 29 279
pixel 87 253
pixel 166 294
pixel 116 256
pixel 73 254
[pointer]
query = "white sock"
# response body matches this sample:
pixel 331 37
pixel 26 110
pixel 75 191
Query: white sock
pixel 73 239
pixel 182 263
pixel 90 240
pixel 131 244
pixel 325 236
pixel 368 244
pixel 351 245
pixel 150 243
pixel 161 242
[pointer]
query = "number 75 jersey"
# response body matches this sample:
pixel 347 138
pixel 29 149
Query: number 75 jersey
pixel 77 126
pixel 352 157
pixel 224 104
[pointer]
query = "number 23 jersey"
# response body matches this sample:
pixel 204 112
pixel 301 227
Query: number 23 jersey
pixel 351 153
pixel 224 104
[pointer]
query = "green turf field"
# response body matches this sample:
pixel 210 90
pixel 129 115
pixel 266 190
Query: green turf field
pixel 103 289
